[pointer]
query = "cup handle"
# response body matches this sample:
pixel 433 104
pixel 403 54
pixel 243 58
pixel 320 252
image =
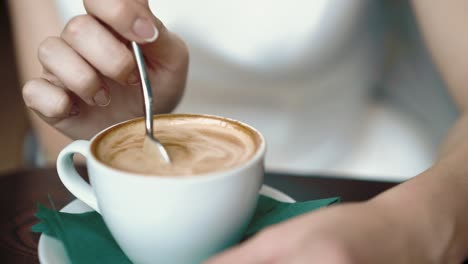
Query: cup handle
pixel 71 178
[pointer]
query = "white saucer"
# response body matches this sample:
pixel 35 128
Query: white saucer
pixel 51 250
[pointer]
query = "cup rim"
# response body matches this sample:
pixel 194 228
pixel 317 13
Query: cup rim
pixel 259 152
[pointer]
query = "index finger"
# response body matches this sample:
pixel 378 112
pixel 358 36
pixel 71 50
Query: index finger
pixel 131 19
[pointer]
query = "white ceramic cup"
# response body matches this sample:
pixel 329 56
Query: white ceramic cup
pixel 163 219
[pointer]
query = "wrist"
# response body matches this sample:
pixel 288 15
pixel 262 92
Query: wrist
pixel 410 228
pixel 426 212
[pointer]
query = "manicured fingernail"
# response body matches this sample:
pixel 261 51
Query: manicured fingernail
pixel 133 78
pixel 102 98
pixel 145 29
pixel 75 110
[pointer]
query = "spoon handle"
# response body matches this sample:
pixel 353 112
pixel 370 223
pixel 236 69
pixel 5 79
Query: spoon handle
pixel 147 91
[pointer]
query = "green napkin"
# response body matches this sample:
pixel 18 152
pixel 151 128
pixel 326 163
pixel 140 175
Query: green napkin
pixel 87 239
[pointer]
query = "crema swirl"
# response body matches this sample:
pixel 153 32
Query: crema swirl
pixel 196 145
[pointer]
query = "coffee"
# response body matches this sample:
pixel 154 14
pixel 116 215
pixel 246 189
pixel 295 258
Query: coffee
pixel 196 145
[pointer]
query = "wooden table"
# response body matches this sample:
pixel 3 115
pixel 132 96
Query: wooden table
pixel 21 191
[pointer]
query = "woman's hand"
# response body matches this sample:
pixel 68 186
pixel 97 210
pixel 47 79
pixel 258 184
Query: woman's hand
pixel 90 79
pixel 344 234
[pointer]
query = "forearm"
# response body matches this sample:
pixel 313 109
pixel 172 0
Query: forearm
pixel 435 203
pixel 32 21
pixel 440 194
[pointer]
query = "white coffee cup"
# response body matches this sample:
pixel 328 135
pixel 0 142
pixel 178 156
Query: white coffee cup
pixel 164 219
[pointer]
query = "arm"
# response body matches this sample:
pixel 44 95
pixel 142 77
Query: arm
pixel 32 22
pixel 444 27
pixel 424 220
pixel 444 187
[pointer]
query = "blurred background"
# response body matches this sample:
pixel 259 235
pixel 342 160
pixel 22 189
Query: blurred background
pixel 379 108
pixel 13 119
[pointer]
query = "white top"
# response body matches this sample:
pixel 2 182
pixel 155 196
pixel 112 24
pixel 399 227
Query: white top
pixel 299 71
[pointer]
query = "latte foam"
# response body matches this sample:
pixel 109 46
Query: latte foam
pixel 195 144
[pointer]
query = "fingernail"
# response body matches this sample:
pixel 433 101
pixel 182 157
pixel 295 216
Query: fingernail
pixel 75 110
pixel 102 98
pixel 133 78
pixel 145 29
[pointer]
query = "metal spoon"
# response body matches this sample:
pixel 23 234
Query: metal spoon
pixel 151 143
